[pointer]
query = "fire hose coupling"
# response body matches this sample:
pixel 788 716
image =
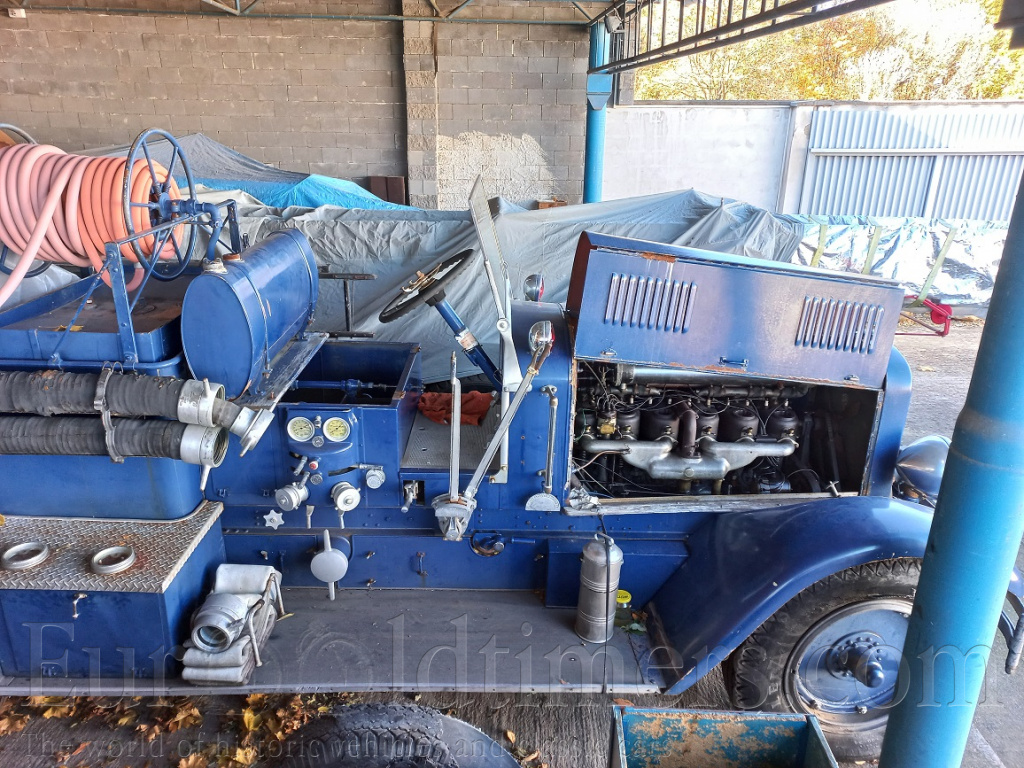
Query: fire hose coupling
pixel 204 403
pixel 290 497
pixel 219 622
pixel 188 401
pixel 195 402
pixel 205 446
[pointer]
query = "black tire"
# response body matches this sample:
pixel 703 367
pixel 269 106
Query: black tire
pixel 369 736
pixel 759 675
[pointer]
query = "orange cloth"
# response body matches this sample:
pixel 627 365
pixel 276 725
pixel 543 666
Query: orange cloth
pixel 437 406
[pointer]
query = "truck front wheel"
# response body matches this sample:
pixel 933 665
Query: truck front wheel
pixel 833 651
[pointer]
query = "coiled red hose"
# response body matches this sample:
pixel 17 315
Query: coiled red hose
pixel 65 208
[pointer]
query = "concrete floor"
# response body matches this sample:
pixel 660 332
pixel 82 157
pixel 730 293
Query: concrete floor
pixel 571 731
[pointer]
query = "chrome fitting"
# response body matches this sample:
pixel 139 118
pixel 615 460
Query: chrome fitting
pixel 250 427
pixel 291 496
pixel 346 497
pixel 205 446
pixel 219 622
pixel 195 403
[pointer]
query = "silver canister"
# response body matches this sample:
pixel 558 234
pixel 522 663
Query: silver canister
pixel 599 583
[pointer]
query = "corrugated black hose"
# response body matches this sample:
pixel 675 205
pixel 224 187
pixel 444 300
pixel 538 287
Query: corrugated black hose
pixel 52 393
pixel 85 436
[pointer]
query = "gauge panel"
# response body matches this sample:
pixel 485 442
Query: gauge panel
pixel 301 429
pixel 337 429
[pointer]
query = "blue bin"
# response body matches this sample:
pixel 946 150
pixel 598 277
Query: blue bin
pixel 684 738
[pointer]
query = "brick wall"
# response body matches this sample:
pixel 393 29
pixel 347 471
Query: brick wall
pixel 325 98
pixel 505 101
pixel 342 98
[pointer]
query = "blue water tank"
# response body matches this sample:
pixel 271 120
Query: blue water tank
pixel 234 323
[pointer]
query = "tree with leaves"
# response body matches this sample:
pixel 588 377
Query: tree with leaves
pixel 906 50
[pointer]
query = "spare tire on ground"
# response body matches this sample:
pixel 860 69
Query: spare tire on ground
pixel 389 736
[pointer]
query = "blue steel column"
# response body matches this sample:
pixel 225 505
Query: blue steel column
pixel 599 90
pixel 973 542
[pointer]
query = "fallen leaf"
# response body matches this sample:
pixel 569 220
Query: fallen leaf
pixel 128 717
pixel 926 368
pixel 623 702
pixel 511 736
pixel 245 756
pixel 251 720
pixel 532 756
pixel 193 761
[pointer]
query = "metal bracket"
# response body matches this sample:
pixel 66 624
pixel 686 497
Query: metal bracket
pixel 456 434
pixel 236 9
pixel 546 501
pixel 346 287
pixel 100 404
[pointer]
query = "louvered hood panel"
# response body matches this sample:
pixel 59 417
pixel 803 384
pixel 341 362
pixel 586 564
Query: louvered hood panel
pixel 652 304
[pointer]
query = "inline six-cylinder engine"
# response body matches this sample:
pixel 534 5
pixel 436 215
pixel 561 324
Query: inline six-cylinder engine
pixel 701 375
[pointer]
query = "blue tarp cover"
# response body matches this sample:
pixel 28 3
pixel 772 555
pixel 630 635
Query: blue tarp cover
pixel 219 167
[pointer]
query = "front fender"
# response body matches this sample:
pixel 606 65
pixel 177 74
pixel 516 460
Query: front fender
pixel 744 566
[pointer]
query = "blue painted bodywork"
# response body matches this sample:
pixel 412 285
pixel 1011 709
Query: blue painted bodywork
pixel 888 431
pixel 656 304
pixel 81 486
pixel 60 330
pixel 117 634
pixel 749 564
pixel 712 577
pixel 234 323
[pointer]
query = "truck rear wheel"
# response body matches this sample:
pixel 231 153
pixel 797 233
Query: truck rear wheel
pixel 370 736
pixel 833 651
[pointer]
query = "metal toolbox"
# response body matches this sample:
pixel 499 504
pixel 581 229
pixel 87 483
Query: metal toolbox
pixel 90 598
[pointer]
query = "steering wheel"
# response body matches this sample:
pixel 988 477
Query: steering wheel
pixel 426 287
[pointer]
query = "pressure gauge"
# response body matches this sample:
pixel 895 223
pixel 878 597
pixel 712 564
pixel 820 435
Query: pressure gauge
pixel 336 429
pixel 300 429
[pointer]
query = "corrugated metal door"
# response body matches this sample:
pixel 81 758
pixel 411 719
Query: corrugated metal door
pixel 960 161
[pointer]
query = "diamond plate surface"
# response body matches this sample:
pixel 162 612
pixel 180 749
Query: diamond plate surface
pixel 429 443
pixel 161 548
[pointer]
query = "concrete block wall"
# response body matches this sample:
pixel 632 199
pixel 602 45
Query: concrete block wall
pixel 512 105
pixel 324 97
pixel 439 103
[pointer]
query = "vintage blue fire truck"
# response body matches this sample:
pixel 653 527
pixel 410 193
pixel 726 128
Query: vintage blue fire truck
pixel 689 464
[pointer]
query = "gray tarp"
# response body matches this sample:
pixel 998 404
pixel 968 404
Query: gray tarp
pixel 393 244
